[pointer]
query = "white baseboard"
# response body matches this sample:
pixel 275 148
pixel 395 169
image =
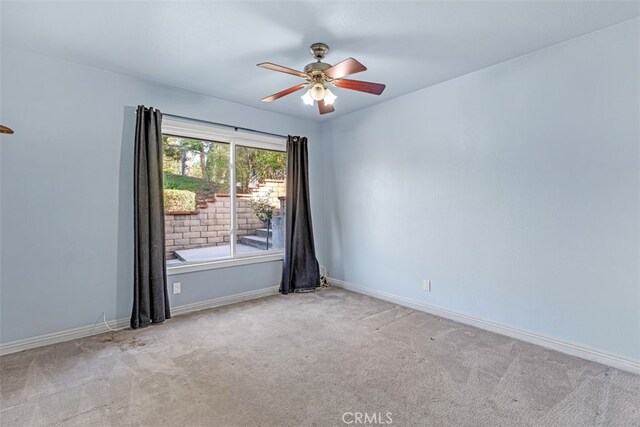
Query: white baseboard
pixel 119 324
pixel 573 349
pixel 61 336
pixel 231 299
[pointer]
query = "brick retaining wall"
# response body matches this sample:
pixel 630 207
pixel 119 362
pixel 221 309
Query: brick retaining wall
pixel 209 226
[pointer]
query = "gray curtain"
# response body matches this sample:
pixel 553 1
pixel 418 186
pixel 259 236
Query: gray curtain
pixel 150 298
pixel 300 268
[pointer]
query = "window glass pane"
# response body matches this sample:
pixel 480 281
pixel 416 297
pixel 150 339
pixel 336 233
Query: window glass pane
pixel 197 202
pixel 260 199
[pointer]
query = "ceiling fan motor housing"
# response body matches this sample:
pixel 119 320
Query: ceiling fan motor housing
pixel 315 70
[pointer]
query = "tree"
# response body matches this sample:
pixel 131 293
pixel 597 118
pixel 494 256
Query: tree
pixel 254 165
pixel 172 154
pixel 217 167
pixel 176 149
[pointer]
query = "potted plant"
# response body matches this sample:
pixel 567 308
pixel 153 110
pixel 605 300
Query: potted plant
pixel 262 208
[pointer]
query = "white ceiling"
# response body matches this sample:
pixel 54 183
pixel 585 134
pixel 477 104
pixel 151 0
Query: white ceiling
pixel 213 47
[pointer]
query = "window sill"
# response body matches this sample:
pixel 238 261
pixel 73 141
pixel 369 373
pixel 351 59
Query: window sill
pixel 224 263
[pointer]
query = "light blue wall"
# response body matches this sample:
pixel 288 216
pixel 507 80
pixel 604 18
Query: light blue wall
pixel 515 189
pixel 66 192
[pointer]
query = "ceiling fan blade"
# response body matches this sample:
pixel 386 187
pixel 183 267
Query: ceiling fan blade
pixel 4 129
pixel 369 87
pixel 325 108
pixel 345 68
pixel 276 67
pixel 284 92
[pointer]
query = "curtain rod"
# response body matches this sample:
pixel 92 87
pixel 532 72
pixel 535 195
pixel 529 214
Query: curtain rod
pixel 237 128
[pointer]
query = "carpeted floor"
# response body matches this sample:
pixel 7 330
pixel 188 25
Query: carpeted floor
pixel 307 360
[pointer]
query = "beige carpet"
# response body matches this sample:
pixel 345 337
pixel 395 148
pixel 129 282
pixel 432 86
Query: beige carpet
pixel 306 360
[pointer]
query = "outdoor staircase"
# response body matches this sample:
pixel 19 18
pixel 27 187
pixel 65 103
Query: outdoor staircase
pixel 258 240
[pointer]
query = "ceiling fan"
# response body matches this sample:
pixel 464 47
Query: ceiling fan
pixel 319 74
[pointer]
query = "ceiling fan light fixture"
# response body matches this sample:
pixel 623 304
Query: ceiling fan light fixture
pixel 306 98
pixel 317 92
pixel 329 97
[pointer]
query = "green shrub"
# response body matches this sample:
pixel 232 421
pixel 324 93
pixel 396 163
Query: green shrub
pixel 261 206
pixel 179 201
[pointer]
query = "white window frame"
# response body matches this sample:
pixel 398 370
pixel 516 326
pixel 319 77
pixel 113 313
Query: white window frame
pixel 197 130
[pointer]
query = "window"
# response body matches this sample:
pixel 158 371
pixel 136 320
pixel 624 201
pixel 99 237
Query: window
pixel 224 196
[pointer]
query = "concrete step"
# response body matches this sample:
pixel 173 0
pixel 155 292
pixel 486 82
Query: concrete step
pixel 255 241
pixel 262 232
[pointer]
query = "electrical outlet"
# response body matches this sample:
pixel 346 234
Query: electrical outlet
pixel 426 285
pixel 176 288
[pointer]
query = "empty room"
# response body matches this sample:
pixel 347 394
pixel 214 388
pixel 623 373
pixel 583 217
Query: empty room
pixel 319 213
